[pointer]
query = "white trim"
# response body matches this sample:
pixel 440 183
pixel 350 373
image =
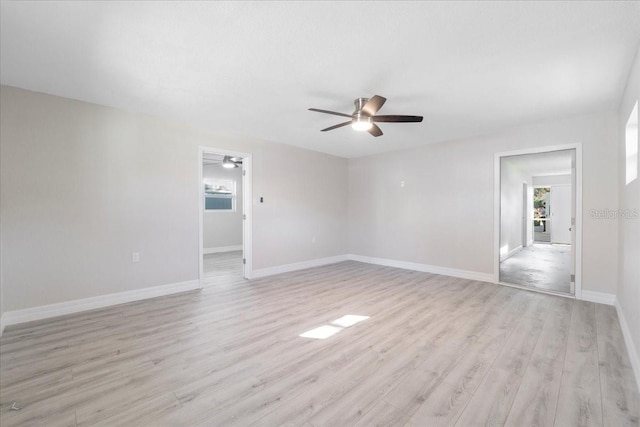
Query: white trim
pixel 2 323
pixel 445 271
pixel 538 290
pixel 247 205
pixel 511 253
pixel 221 249
pixel 598 297
pixel 632 351
pixel 270 271
pixel 496 208
pixel 76 306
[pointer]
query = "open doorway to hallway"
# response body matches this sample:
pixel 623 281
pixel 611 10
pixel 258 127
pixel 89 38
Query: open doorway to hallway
pixel 223 217
pixel 537 217
pixel 541 224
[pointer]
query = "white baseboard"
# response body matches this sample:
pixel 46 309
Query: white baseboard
pixel 270 271
pixel 511 253
pixel 445 271
pixel 634 356
pixel 75 306
pixel 599 297
pixel 464 274
pixel 221 249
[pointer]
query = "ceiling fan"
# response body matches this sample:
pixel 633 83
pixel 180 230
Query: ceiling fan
pixel 364 117
pixel 229 162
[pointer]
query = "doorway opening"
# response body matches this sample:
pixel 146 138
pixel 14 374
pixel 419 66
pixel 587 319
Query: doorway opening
pixel 541 223
pixel 538 219
pixel 225 216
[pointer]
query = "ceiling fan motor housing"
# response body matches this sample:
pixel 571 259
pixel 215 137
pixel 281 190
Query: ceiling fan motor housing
pixel 359 102
pixel 359 116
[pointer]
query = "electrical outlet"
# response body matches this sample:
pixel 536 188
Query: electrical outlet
pixel 402 184
pixel 135 256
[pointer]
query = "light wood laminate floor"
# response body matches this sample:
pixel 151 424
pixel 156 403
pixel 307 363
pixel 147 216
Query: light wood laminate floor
pixel 222 266
pixel 435 350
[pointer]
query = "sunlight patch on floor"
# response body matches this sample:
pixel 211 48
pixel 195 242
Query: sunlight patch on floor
pixel 336 326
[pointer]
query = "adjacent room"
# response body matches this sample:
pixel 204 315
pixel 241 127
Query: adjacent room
pixel 538 220
pixel 222 218
pixel 319 213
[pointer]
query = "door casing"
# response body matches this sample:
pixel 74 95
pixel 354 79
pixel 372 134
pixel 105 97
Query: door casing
pixel 247 204
pixel 576 285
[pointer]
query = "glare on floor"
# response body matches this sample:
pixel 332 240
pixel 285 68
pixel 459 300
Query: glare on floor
pixel 322 332
pixel 349 320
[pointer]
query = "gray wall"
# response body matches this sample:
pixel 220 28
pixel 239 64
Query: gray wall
pixel 1 286
pixel 82 186
pixel 444 214
pixel 628 291
pixel 511 206
pixel 222 229
pixel 549 180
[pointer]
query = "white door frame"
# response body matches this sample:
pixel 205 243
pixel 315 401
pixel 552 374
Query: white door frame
pixel 526 222
pixel 496 210
pixel 247 204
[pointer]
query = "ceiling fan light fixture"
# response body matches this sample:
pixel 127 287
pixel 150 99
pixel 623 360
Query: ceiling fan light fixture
pixel 228 163
pixel 366 117
pixel 361 122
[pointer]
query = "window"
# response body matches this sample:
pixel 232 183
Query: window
pixel 631 146
pixel 219 195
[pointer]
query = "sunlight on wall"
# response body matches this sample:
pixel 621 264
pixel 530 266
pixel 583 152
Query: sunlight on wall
pixel 504 250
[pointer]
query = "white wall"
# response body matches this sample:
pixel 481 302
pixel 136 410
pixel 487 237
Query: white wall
pixel 223 229
pixel 1 287
pixel 511 208
pixel 444 214
pixel 84 185
pixel 628 291
pixel 549 180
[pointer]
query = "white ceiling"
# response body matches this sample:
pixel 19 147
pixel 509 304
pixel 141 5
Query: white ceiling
pixel 253 68
pixel 213 158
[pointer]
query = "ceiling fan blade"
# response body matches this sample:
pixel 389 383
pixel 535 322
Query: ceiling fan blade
pixel 330 112
pixel 336 126
pixel 373 105
pixel 375 130
pixel 397 119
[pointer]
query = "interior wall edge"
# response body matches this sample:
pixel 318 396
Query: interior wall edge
pixel 425 268
pixel 221 249
pixel 598 297
pixel 286 268
pixel 75 306
pixel 632 351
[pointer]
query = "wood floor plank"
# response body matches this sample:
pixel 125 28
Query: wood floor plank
pixel 445 403
pixel 435 350
pixel 580 398
pixel 535 403
pixel 620 396
pixel 492 400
